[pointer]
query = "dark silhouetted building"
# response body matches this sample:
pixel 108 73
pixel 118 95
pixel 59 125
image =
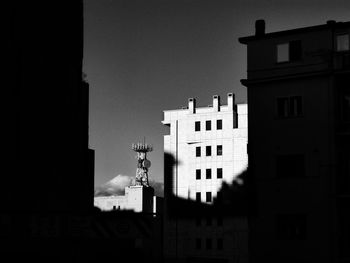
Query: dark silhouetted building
pixel 299 142
pixel 49 167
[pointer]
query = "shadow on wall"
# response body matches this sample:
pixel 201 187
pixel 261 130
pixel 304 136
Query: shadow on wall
pixel 235 199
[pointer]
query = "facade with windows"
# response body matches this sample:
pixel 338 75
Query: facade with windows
pixel 299 142
pixel 209 147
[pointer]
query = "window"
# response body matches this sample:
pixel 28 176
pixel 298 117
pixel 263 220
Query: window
pixel 208 173
pixel 219 124
pixel 208 150
pixel 208 125
pixel 208 243
pixel 209 221
pixel 219 197
pixel 197 126
pixel 220 244
pixel 345 104
pixel 198 221
pixel 208 197
pixel 290 165
pixel 198 174
pixel 219 173
pixel 343 42
pixel 288 107
pixel 198 243
pixel 198 196
pixel 290 226
pixel 198 151
pixel 220 221
pixel 288 52
pixel 219 150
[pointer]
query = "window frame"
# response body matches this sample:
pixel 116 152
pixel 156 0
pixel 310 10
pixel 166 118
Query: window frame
pixel 347 35
pixel 208 125
pixel 208 150
pixel 217 173
pixel 197 126
pixel 208 173
pixel 289 102
pixel 198 151
pixel 198 174
pixel 219 127
pixel 219 149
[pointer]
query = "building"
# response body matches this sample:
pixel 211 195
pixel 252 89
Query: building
pixel 137 198
pixel 299 142
pixel 206 148
pixel 47 156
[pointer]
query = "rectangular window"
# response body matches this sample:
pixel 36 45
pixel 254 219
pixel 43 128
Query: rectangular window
pixel 197 126
pixel 219 197
pixel 219 124
pixel 345 104
pixel 208 197
pixel 220 244
pixel 198 151
pixel 343 42
pixel 198 174
pixel 209 221
pixel 289 107
pixel 208 243
pixel 288 52
pixel 290 165
pixel 208 150
pixel 198 221
pixel 219 173
pixel 198 197
pixel 208 173
pixel 198 243
pixel 219 150
pixel 208 125
pixel 290 226
pixel 220 221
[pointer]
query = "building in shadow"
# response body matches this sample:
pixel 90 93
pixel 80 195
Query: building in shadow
pixel 299 135
pixel 50 168
pixel 204 152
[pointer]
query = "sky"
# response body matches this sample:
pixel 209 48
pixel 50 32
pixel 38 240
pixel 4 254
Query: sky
pixel 142 57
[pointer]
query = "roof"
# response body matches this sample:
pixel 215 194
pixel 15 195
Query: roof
pixel 329 25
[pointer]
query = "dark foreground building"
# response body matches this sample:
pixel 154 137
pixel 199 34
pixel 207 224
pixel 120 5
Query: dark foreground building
pixel 298 84
pixel 48 169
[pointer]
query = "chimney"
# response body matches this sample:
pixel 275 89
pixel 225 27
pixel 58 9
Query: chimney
pixel 192 105
pixel 216 103
pixel 230 101
pixel 260 27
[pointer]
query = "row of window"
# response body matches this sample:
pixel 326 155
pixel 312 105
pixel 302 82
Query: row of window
pixel 208 151
pixel 292 50
pixel 197 125
pixel 208 174
pixel 209 221
pixel 209 243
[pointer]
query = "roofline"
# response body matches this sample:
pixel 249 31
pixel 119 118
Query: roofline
pixel 329 25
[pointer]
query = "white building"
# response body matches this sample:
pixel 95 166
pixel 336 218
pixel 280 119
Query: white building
pixel 208 146
pixel 137 198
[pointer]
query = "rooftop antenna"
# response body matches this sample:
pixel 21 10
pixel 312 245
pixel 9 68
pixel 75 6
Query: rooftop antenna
pixel 143 164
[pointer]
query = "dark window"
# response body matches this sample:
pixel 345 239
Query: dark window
pixel 198 196
pixel 290 226
pixel 219 150
pixel 219 197
pixel 208 173
pixel 208 197
pixel 345 104
pixel 220 244
pixel 219 124
pixel 209 221
pixel 208 150
pixel 208 243
pixel 197 126
pixel 198 151
pixel 219 173
pixel 208 125
pixel 289 52
pixel 198 221
pixel 198 174
pixel 219 221
pixel 291 165
pixel 289 107
pixel 198 243
pixel 295 51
